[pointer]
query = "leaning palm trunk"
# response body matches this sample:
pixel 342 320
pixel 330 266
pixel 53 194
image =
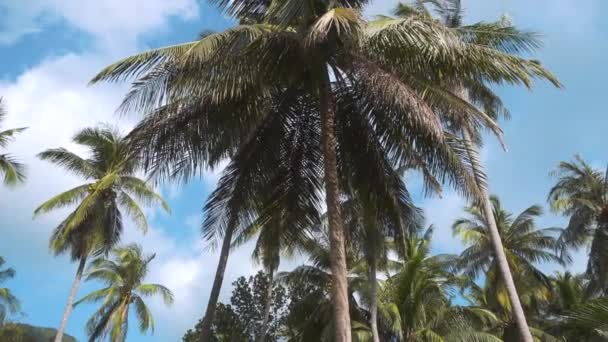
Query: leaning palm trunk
pixel 501 259
pixel 373 304
pixel 71 297
pixel 332 199
pixel 217 284
pixel 267 306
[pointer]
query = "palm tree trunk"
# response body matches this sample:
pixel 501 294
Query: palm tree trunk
pixel 71 297
pixel 503 266
pixel 217 283
pixel 373 305
pixel 332 199
pixel 267 306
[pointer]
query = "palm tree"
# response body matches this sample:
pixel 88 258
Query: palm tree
pixel 112 187
pixel 236 94
pixel 124 278
pixel 12 171
pixel 8 302
pixel 281 233
pixel 568 294
pixel 581 193
pixel 523 246
pixel 416 300
pixel 372 237
pixel 499 36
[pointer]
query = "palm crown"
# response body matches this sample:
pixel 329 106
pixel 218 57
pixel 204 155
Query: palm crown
pixel 8 302
pixel 524 246
pixel 11 169
pixel 581 193
pixel 416 299
pixel 111 171
pixel 124 279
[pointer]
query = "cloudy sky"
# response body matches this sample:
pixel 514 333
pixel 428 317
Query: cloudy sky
pixel 51 48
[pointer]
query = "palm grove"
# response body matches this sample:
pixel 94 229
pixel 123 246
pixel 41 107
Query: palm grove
pixel 316 107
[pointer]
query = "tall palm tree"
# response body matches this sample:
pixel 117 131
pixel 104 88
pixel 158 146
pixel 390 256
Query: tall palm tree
pixel 12 171
pixel 8 302
pixel 581 193
pixel 500 36
pixel 416 299
pixel 523 246
pixel 314 67
pixel 112 187
pixel 124 277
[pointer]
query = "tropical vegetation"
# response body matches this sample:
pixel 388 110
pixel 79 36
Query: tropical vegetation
pixel 322 115
pixel 96 224
pixel 9 304
pixel 125 289
pixel 362 83
pixel 11 170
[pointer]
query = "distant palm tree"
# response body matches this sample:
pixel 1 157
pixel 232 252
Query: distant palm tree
pixel 96 225
pixel 12 171
pixel 312 80
pixel 8 302
pixel 372 235
pixel 124 277
pixel 581 193
pixel 524 246
pixel 568 294
pixel 415 301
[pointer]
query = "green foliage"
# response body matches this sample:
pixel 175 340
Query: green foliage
pixel 19 332
pixel 581 193
pixel 9 304
pixel 11 170
pixel 124 290
pixel 241 319
pixel 525 246
pixel 416 301
pixel 112 189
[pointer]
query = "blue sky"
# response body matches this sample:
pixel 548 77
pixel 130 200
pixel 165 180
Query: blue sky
pixel 51 48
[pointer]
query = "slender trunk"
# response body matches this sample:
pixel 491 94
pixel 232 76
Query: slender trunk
pixel 598 255
pixel 503 266
pixel 267 306
pixel 70 305
pixel 373 304
pixel 332 199
pixel 217 284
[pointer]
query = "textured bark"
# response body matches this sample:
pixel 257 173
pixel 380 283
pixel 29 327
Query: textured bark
pixel 332 199
pixel 71 297
pixel 267 306
pixel 373 305
pixel 501 259
pixel 217 284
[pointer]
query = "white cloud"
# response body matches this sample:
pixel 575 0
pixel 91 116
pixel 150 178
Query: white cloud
pixel 115 23
pixel 53 99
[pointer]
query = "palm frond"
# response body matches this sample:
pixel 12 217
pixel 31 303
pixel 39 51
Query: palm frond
pixel 155 289
pixel 13 170
pixel 64 199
